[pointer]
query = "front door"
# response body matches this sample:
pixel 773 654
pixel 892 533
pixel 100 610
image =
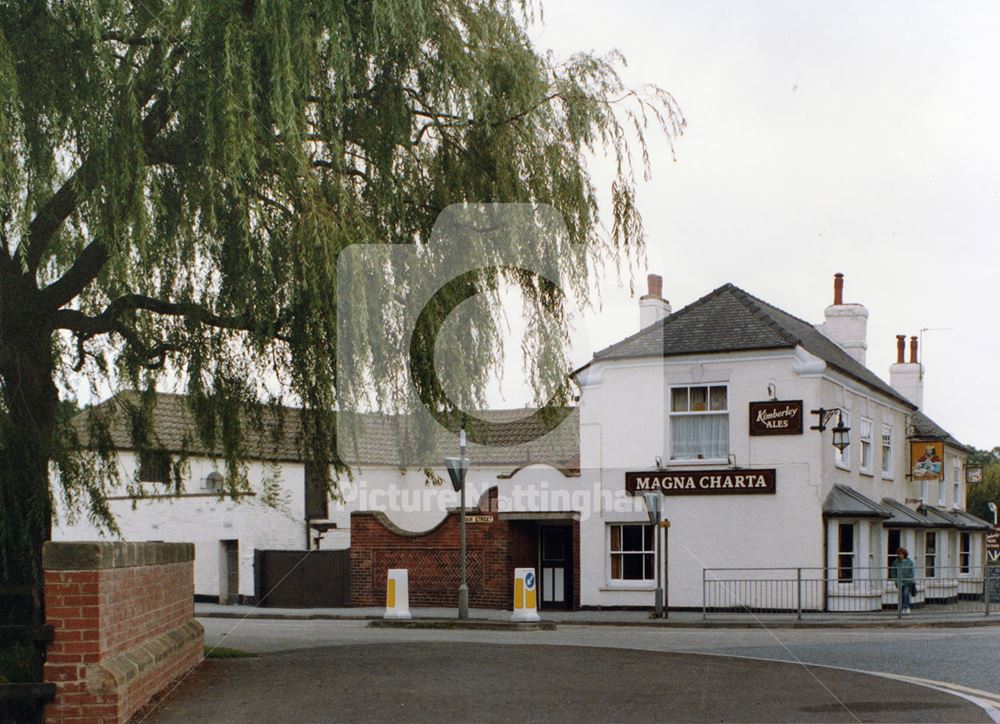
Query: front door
pixel 555 545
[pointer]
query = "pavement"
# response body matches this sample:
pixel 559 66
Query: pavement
pixel 455 681
pixel 619 618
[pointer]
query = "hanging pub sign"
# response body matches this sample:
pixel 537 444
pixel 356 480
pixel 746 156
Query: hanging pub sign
pixel 776 418
pixel 974 474
pixel 701 482
pixel 927 459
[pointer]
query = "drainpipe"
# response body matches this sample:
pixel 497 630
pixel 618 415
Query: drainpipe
pixel 826 557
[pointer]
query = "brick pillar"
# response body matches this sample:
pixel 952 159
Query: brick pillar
pixel 123 616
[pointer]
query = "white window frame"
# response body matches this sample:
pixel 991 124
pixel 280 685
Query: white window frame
pixel 964 537
pixel 942 489
pixel 852 554
pixel 887 466
pixel 842 458
pixel 692 413
pixel 630 582
pixel 956 486
pixel 865 441
pixel 931 559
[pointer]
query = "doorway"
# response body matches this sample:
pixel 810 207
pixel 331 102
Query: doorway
pixel 555 561
pixel 229 579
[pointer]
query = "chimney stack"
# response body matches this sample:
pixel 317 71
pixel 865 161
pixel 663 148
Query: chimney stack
pixel 652 306
pixel 846 324
pixel 907 378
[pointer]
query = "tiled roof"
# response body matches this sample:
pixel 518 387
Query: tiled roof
pixel 902 516
pixel 516 438
pixel 731 320
pixel 924 428
pixel 940 518
pixel 971 521
pixel 846 502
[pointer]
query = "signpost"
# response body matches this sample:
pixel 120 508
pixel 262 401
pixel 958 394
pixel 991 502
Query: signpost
pixel 457 470
pixel 654 503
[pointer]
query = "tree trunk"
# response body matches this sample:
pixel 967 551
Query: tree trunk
pixel 27 426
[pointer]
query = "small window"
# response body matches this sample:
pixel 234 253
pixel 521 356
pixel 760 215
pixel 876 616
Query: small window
pixel 699 422
pixel 964 552
pixel 631 552
pixel 845 552
pixel 154 467
pixel 842 457
pixel 887 450
pixel 866 445
pixel 930 553
pixel 957 485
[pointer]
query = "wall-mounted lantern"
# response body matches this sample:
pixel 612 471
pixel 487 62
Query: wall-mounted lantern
pixel 841 433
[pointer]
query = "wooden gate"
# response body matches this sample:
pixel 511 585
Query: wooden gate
pixel 301 579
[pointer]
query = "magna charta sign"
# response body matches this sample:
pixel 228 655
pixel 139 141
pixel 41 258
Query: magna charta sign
pixel 701 482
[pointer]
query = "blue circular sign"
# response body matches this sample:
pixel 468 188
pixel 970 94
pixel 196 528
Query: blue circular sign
pixel 529 579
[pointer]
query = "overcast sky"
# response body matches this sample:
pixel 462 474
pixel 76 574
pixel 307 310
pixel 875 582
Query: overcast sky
pixel 823 137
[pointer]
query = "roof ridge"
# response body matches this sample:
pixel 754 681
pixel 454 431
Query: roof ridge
pixel 683 311
pixel 755 305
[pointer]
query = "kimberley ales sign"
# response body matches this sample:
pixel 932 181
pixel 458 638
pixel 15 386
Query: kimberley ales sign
pixel 701 482
pixel 776 418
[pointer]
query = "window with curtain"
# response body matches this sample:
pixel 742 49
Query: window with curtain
pixel 699 422
pixel 632 552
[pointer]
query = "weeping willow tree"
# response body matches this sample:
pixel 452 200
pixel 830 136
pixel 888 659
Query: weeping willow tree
pixel 178 178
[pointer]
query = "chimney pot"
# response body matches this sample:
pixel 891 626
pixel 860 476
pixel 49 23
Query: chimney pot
pixel 913 350
pixel 900 348
pixel 838 289
pixel 655 284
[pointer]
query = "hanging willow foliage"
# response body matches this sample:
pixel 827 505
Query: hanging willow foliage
pixel 178 177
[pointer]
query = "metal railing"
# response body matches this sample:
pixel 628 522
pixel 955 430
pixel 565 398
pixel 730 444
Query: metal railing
pixel 803 591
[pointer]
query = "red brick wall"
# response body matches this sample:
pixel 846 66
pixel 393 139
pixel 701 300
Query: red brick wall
pixel 123 615
pixel 433 558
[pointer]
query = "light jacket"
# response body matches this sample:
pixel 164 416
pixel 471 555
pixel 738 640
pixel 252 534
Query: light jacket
pixel 901 570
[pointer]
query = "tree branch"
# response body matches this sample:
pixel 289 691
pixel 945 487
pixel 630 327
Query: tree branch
pixel 104 323
pixel 83 271
pixel 60 205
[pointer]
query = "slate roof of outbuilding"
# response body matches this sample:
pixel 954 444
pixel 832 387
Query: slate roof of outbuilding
pixel 729 319
pixel 517 440
pixel 846 502
pixel 902 516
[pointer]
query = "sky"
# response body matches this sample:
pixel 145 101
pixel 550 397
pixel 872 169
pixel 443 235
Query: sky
pixel 822 137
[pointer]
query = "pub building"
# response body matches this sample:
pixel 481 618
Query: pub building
pixel 767 439
pixel 716 407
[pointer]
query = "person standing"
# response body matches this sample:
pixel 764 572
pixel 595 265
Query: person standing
pixel 901 572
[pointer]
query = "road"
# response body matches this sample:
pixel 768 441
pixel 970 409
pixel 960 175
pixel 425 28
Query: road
pixel 963 656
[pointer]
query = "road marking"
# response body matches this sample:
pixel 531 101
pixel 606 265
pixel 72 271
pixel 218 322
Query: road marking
pixel 986 700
